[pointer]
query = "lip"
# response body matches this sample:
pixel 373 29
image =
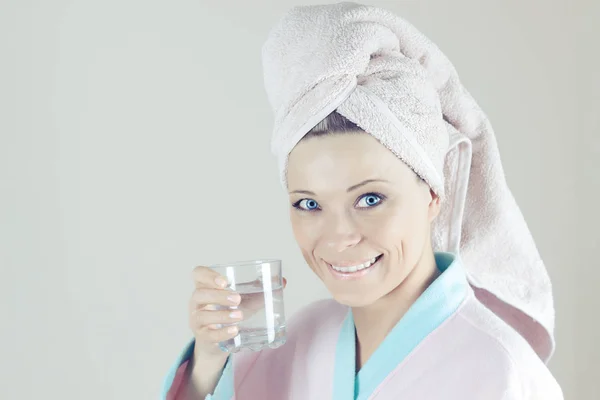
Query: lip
pixel 349 263
pixel 353 275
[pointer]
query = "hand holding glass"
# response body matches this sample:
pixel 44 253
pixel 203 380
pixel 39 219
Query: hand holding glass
pixel 260 286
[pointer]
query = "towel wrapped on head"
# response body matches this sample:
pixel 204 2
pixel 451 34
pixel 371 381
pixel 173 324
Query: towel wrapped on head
pixel 378 71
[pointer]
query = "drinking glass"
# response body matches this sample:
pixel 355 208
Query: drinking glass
pixel 260 286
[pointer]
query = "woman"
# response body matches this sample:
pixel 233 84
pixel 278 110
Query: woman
pixel 374 135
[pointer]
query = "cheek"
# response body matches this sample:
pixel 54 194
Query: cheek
pixel 399 228
pixel 304 229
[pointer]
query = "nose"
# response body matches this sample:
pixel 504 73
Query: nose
pixel 341 233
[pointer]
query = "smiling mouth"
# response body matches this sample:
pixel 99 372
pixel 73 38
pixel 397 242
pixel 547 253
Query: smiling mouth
pixel 355 268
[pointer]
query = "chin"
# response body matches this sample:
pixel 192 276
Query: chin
pixel 356 299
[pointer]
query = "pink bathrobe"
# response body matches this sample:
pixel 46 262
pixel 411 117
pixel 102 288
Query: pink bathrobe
pixel 447 346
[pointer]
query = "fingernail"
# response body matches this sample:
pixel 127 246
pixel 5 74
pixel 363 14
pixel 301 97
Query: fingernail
pixel 235 315
pixel 221 282
pixel 234 298
pixel 232 329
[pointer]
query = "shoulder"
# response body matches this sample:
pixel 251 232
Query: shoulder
pixel 322 318
pixel 516 362
pixel 318 312
pixel 311 335
pixel 309 327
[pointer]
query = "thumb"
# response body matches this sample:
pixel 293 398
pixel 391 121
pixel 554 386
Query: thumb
pixel 284 282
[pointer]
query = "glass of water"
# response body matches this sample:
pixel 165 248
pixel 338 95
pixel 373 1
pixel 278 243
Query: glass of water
pixel 260 286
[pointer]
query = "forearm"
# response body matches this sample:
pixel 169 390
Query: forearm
pixel 201 377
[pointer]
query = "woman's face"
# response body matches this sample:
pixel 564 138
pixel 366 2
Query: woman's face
pixel 359 215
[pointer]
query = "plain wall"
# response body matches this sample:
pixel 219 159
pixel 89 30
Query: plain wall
pixel 585 261
pixel 134 145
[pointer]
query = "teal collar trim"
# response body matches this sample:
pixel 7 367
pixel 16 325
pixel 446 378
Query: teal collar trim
pixel 438 302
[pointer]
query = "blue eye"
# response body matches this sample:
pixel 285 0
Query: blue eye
pixel 369 200
pixel 306 204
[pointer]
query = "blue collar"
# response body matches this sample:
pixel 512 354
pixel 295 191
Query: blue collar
pixel 438 302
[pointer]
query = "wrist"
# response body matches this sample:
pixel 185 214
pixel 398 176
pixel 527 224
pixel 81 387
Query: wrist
pixel 209 359
pixel 206 369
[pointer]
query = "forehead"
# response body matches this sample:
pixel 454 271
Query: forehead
pixel 329 161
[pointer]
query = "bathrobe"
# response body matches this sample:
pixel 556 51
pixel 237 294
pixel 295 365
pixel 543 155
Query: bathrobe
pixel 447 346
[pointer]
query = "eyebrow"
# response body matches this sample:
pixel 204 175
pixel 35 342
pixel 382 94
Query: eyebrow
pixel 351 188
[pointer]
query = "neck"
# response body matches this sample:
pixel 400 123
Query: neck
pixel 375 321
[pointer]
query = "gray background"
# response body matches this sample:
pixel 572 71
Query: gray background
pixel 134 145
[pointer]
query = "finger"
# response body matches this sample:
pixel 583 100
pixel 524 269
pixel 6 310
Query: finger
pixel 201 318
pixel 284 283
pixel 259 283
pixel 204 276
pixel 219 335
pixel 194 307
pixel 255 301
pixel 202 297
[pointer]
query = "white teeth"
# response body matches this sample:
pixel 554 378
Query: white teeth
pixel 355 268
